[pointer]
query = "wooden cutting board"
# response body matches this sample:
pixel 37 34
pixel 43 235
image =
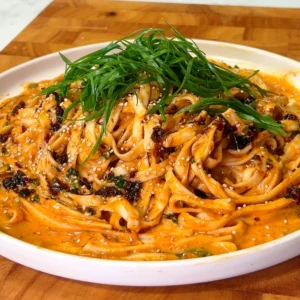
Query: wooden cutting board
pixel 69 23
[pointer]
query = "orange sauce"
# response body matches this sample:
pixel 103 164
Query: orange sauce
pixel 262 228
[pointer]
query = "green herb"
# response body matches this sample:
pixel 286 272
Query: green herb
pixel 172 217
pixel 214 111
pixel 33 85
pixel 193 161
pixel 107 76
pixel 72 172
pixel 201 252
pixel 35 198
pixel 244 111
pixel 4 150
pixel 119 181
pixel 34 181
pixel 236 66
pixel 74 188
pixel 89 211
pixel 198 252
pixel 105 155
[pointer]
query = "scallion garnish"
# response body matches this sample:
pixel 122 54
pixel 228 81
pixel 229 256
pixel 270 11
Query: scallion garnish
pixel 110 73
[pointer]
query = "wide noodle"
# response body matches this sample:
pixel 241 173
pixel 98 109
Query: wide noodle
pixel 193 185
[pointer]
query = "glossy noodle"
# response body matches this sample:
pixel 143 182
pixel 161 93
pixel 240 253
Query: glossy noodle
pixel 173 184
pixel 195 185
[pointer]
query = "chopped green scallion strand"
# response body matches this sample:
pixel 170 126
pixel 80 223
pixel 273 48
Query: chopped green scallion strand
pixel 244 111
pixel 110 73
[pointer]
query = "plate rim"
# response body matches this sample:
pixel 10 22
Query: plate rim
pixel 149 264
pixel 103 44
pixel 161 263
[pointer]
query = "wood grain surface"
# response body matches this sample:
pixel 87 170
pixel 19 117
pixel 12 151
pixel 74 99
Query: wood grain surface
pixel 69 23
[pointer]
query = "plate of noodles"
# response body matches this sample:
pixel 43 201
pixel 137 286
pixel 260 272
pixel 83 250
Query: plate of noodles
pixel 150 161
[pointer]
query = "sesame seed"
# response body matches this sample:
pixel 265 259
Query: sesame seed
pixel 233 232
pixel 285 221
pixel 267 227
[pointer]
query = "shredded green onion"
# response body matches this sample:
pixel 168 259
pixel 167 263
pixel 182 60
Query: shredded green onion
pixel 110 73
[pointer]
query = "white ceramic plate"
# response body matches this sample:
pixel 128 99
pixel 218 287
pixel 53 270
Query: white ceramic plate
pixel 150 273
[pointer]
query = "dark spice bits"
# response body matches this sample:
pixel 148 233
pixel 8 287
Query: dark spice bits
pixel 290 117
pixel 3 138
pixel 4 150
pixel 25 193
pixel 200 194
pixel 250 99
pixel 132 190
pixel 61 159
pixel 241 141
pixel 158 134
pixel 245 97
pixel 58 123
pixel 159 151
pixel 56 186
pixel 12 183
pixel 84 182
pixel 17 108
pixel 294 193
pixel 108 191
pixel 57 97
pixel 219 123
